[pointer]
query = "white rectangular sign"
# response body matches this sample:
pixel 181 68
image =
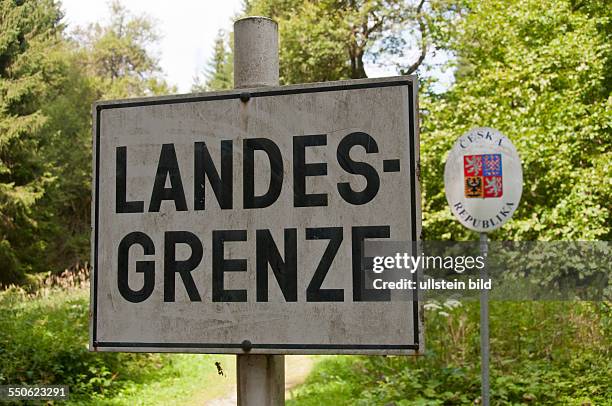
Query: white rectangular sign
pixel 234 222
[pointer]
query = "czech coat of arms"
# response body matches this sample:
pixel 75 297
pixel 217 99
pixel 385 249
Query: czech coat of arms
pixel 483 175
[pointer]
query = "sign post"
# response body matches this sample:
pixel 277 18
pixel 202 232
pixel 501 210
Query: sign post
pixel 483 181
pixel 261 378
pixel 484 325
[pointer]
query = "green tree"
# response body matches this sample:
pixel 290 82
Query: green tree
pixel 219 75
pixel 117 55
pixel 29 36
pixel 542 74
pixel 63 213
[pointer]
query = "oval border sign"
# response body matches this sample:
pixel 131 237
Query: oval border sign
pixel 483 179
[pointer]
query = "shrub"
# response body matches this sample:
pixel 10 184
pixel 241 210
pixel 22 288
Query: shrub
pixel 44 338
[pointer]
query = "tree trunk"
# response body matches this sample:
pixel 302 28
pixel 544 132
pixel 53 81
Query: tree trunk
pixel 357 69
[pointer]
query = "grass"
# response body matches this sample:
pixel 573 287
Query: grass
pixel 182 379
pixel 332 382
pixel 43 340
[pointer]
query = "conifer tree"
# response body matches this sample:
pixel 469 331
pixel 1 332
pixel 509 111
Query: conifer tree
pixel 29 31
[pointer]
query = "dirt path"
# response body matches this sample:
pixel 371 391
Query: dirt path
pixel 297 368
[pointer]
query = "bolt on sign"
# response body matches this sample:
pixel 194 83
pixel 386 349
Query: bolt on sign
pixel 483 179
pixel 234 222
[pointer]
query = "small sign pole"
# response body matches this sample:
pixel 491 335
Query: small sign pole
pixel 483 182
pixel 484 323
pixel 260 378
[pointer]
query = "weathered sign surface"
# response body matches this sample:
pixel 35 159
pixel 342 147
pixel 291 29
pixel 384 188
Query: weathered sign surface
pixel 483 179
pixel 234 221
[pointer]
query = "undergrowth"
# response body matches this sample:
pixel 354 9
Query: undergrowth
pixel 542 353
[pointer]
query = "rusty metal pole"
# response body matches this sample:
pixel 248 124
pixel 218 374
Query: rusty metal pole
pixel 261 378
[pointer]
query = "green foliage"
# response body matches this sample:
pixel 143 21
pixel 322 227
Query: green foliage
pixel 220 73
pixel 541 74
pixel 545 353
pixel 117 58
pixel 44 341
pixel 64 210
pixel 29 35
